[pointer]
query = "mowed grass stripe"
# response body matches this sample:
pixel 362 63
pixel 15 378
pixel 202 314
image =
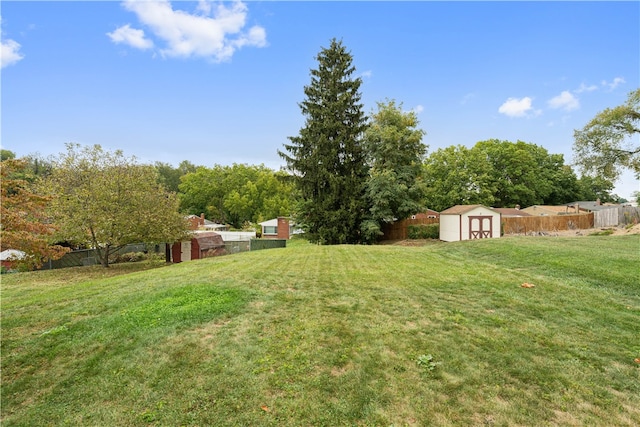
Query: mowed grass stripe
pixel 313 335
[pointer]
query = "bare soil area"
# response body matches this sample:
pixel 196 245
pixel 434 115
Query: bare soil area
pixel 614 231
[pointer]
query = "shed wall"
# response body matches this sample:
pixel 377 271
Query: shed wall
pixel 481 211
pixel 450 228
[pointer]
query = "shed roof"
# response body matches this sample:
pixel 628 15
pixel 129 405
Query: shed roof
pixel 209 240
pixel 463 209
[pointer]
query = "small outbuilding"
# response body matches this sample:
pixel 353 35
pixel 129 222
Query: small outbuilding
pixel 202 245
pixel 468 222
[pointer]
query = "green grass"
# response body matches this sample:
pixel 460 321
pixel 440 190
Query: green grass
pixel 329 336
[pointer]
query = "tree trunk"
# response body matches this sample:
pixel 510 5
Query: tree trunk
pixel 105 257
pixel 167 253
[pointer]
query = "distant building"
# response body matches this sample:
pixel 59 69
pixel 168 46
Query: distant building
pixel 277 228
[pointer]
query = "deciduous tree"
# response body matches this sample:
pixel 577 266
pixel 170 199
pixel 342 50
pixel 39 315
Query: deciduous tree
pixel 498 173
pixel 456 175
pixel 25 225
pixel 107 200
pixel 236 194
pixel 395 151
pixel 608 143
pixel 327 158
pixel 170 176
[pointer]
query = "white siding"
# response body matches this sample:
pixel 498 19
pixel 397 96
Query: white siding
pixel 456 227
pixel 450 228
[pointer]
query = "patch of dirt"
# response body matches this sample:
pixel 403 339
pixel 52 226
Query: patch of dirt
pixel 615 231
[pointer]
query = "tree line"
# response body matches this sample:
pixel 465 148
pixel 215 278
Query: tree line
pixel 346 175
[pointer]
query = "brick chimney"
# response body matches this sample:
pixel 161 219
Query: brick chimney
pixel 283 227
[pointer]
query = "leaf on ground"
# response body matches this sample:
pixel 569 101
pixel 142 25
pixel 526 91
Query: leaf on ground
pixel 527 285
pixel 265 408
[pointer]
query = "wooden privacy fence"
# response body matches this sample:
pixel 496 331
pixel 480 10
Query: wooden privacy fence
pixel 628 215
pixel 400 230
pixel 529 224
pixel 605 218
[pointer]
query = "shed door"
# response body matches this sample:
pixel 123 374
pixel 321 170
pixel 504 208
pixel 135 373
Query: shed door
pixel 185 251
pixel 480 227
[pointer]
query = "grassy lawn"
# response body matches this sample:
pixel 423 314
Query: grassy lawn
pixel 329 336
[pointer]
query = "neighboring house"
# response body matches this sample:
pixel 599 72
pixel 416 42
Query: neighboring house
pixel 429 213
pixel 202 245
pixel 8 257
pixel 538 210
pixel 200 223
pixel 277 228
pixel 511 212
pixel 591 206
pixel 468 222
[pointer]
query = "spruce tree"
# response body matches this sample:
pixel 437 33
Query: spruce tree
pixel 327 158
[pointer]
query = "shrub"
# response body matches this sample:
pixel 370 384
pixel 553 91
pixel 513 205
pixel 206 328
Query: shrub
pixel 129 257
pixel 424 231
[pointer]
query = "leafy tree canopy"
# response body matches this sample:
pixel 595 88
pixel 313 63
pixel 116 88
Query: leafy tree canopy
pixel 107 200
pixel 170 176
pixel 236 194
pixel 395 151
pixel 498 173
pixel 25 225
pixel 609 142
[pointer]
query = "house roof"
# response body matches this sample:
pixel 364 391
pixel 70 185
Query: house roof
pixel 463 209
pixel 426 213
pixel 556 209
pixel 592 206
pixel 511 212
pixel 270 223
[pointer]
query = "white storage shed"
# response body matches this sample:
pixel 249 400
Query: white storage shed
pixel 467 222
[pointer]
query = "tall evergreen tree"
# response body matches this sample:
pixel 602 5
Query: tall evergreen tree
pixel 328 157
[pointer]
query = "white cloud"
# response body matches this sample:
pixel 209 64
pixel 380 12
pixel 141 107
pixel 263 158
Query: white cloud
pixel 9 53
pixel 418 109
pixel 131 36
pixel 584 88
pixel 367 74
pixel 614 84
pixel 514 107
pixel 214 32
pixel 204 6
pixel 565 101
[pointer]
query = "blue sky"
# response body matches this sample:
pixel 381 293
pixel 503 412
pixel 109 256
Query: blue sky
pixel 220 83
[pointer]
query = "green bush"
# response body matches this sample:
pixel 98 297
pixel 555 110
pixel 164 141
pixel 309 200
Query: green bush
pixel 424 231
